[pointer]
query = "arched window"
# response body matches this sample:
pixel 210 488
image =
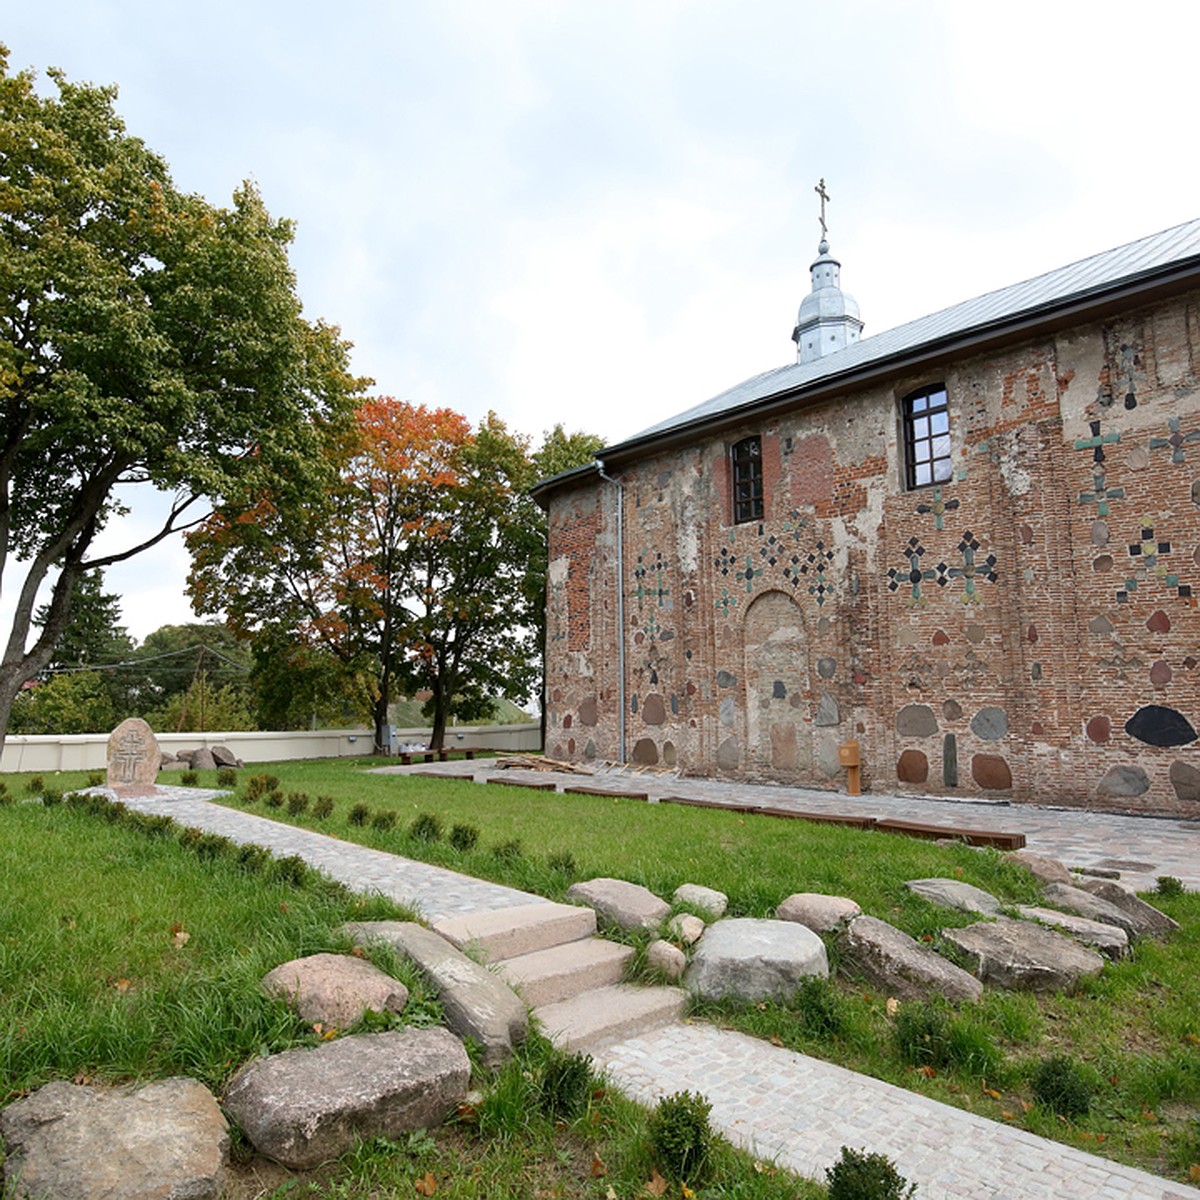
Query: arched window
pixel 746 457
pixel 926 416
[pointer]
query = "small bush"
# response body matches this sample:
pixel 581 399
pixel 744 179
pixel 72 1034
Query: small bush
pixel 385 818
pixel 860 1176
pixel 51 796
pixel 273 798
pixel 270 782
pixel 565 1085
pixel 96 779
pixel 189 778
pixel 6 797
pixel 562 863
pixel 253 858
pixel 1062 1086
pixel 256 786
pixel 359 814
pixel 1168 885
pixel 213 845
pixel 152 824
pixel 464 837
pixel 681 1136
pixel 819 1007
pixel 292 869
pixel 227 777
pixel 322 807
pixel 189 837
pixel 923 1034
pixel 297 802
pixel 426 828
pixel 508 850
pixel 36 785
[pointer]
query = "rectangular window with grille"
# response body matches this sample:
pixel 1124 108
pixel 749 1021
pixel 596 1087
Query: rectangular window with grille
pixel 746 457
pixel 926 437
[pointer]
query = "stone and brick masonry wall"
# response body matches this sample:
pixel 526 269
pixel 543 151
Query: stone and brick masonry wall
pixel 1027 629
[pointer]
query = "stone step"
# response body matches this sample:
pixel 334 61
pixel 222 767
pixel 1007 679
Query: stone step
pixel 511 932
pixel 606 1013
pixel 560 972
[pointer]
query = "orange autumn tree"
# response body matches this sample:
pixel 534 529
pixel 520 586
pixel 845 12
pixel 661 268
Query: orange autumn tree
pixel 409 575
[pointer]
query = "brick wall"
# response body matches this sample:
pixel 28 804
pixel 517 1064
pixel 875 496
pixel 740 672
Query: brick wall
pixel 1026 630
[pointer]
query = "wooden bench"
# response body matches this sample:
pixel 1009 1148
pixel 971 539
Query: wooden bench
pixel 595 791
pixel 538 785
pixel 973 837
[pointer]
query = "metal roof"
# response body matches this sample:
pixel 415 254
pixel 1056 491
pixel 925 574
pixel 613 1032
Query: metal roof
pixel 1089 279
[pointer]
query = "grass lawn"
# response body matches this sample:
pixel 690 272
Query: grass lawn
pixel 1135 1032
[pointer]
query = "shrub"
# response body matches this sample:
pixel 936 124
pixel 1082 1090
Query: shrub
pixel 297 802
pixel 385 818
pixel 270 782
pixel 256 786
pixel 189 778
pixel 680 1135
pixel 35 785
pixel 819 1006
pixel 359 814
pixel 227 777
pixel 322 807
pixel 6 797
pixel 190 836
pixel 51 796
pixel 292 869
pixel 253 858
pixel 273 798
pixel 562 863
pixel 565 1084
pixel 464 837
pixel 1062 1086
pixel 213 845
pixel 508 850
pixel 860 1176
pixel 1168 885
pixel 426 828
pixel 923 1034
pixel 96 779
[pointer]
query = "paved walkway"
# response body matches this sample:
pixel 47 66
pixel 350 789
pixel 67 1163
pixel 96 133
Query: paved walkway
pixel 1140 848
pixel 783 1106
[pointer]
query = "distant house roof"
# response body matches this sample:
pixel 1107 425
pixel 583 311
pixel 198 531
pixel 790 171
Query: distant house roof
pixel 1087 287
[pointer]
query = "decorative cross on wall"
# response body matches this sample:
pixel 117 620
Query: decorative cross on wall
pixel 1100 495
pixel 1176 441
pixel 1097 442
pixel 914 574
pixel 938 507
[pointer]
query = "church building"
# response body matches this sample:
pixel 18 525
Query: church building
pixel 971 544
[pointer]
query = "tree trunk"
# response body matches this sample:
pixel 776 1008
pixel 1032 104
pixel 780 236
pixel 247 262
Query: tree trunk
pixel 438 734
pixel 380 712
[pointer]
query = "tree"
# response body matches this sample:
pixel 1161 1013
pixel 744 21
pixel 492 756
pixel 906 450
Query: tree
pixel 202 707
pixel 74 702
pixel 171 657
pixel 146 337
pixel 411 573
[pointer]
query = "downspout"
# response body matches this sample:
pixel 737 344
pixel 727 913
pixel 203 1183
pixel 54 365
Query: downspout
pixel 620 607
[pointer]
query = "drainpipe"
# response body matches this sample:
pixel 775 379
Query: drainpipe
pixel 620 607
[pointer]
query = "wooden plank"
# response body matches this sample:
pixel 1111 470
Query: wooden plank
pixel 538 785
pixel 973 837
pixel 696 802
pixel 853 820
pixel 595 791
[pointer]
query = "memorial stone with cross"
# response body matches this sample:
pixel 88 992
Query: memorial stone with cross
pixel 133 757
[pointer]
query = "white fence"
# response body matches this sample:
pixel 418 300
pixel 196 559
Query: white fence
pixel 89 751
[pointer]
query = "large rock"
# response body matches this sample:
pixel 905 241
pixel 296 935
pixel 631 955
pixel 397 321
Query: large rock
pixel 133 756
pixel 1044 870
pixel 818 912
pixel 749 959
pixel 625 905
pixel 707 900
pixel 1084 904
pixel 224 757
pixel 303 1107
pixel 335 989
pixel 900 966
pixel 953 893
pixel 1149 920
pixel 165 1141
pixel 1107 939
pixel 203 760
pixel 1022 956
pixel 478 1004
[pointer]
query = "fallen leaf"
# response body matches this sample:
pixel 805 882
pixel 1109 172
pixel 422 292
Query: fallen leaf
pixel 426 1185
pixel 892 1006
pixel 1026 1106
pixel 776 1040
pixel 181 939
pixel 175 928
pixel 598 1167
pixel 466 1112
pixel 1191 1037
pixel 359 952
pixel 122 985
pixel 1147 1115
pixel 318 1028
pixel 657 1184
pixel 927 1071
pixel 329 1035
pixel 685 1192
pixel 1194 1172
pixel 1008 1116
pixel 610 1195
pixel 995 1095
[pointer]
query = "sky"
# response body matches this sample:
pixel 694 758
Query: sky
pixel 601 214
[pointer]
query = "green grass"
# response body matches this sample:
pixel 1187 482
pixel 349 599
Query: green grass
pixel 1137 1027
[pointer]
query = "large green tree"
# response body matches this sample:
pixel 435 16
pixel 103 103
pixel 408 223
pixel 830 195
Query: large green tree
pixel 146 337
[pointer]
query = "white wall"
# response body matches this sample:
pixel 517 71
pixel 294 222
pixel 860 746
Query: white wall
pixel 89 751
